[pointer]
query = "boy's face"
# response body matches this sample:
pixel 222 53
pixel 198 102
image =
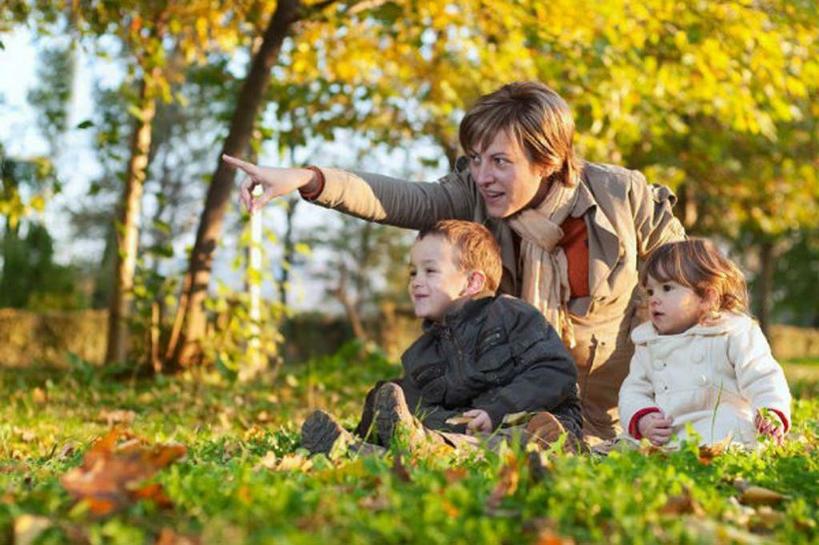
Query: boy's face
pixel 435 282
pixel 673 307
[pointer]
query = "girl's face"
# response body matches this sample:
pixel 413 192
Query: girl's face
pixel 674 308
pixel 506 177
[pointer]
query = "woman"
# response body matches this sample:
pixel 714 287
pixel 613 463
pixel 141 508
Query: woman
pixel 570 232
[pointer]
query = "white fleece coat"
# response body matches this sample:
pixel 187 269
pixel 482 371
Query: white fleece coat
pixel 714 377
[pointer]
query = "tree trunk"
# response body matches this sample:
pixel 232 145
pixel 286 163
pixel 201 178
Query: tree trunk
pixel 127 230
pixel 289 253
pixel 189 326
pixel 765 285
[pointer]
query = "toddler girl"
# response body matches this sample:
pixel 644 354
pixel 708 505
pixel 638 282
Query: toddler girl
pixel 701 360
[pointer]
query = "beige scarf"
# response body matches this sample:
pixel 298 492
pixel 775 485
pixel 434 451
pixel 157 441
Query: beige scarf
pixel 545 268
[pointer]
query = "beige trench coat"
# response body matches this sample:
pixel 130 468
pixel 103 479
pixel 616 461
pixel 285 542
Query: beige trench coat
pixel 626 218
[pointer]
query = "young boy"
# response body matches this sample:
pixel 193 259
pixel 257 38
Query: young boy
pixel 481 357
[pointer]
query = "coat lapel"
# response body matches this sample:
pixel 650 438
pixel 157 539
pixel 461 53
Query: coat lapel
pixel 604 244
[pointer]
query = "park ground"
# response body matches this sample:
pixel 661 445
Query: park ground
pixel 202 459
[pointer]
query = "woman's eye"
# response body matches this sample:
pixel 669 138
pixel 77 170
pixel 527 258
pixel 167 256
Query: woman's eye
pixel 667 288
pixel 500 161
pixel 650 292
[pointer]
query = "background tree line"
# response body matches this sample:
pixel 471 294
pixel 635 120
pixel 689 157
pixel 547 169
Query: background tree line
pixel 715 99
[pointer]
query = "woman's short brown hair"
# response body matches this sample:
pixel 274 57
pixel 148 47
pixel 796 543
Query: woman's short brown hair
pixel 698 264
pixel 477 249
pixel 536 116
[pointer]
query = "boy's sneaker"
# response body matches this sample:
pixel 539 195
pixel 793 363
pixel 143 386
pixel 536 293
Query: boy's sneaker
pixel 320 432
pixel 392 412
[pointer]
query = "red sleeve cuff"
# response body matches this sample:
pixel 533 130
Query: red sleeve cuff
pixel 783 418
pixel 633 430
pixel 313 195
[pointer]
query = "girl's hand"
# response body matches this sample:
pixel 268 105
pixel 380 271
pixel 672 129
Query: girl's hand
pixel 481 422
pixel 656 427
pixel 274 182
pixel 768 424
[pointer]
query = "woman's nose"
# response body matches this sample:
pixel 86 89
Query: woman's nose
pixel 483 174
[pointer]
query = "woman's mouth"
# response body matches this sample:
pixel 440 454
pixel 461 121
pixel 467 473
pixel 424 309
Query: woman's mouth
pixel 492 196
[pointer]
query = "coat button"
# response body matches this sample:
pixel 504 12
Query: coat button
pixel 698 357
pixel 703 380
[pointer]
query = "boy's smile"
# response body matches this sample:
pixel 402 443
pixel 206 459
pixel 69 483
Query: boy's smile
pixel 436 283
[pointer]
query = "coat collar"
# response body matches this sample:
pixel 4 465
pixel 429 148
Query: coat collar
pixel 461 313
pixel 645 333
pixel 605 246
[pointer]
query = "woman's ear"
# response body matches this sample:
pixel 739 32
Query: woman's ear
pixel 475 283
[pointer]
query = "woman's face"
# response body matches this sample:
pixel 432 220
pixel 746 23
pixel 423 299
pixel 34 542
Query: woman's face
pixel 506 177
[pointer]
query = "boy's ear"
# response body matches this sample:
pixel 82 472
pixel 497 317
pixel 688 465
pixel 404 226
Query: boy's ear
pixel 475 283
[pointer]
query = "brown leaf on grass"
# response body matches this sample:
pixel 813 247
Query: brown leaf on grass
pixel 39 396
pixel 294 462
pixel 116 416
pixel 268 461
pixel 550 537
pixel 682 504
pixel 399 470
pixel 507 483
pixel 67 451
pixel 711 531
pixel 707 453
pixel 169 537
pixel 112 473
pixel 454 474
pixel 757 495
pixel 27 528
pixel 765 519
pixel 378 502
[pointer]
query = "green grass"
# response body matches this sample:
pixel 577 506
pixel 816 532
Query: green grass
pixel 224 492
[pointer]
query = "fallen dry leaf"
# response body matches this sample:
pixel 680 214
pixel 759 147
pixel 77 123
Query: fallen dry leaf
pixel 757 495
pixel 294 462
pixel 27 528
pixel 38 395
pixel 458 420
pixel 112 473
pixel 268 461
pixel 682 504
pixel 550 537
pixel 117 416
pixel 707 453
pixel 400 470
pixel 507 483
pixel 169 537
pixel 454 474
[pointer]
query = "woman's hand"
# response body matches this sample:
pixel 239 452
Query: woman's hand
pixel 274 182
pixel 481 421
pixel 656 427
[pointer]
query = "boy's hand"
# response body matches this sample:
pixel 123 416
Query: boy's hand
pixel 768 423
pixel 656 427
pixel 481 422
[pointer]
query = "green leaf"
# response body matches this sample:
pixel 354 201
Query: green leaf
pixel 87 124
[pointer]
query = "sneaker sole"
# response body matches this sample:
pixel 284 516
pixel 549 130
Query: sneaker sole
pixel 319 433
pixel 389 410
